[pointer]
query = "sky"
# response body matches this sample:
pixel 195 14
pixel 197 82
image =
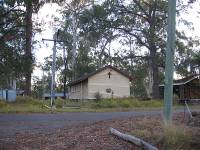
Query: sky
pixel 44 49
pixel 46 14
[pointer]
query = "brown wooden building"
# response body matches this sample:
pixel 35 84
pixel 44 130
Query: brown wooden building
pixel 186 89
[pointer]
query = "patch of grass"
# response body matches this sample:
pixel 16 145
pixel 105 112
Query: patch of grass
pixel 126 103
pixel 105 103
pixel 3 104
pixel 143 133
pixel 59 103
pixel 175 138
pixel 23 104
pixel 171 137
pixel 29 104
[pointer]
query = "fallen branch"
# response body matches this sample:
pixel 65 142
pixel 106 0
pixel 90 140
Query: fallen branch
pixel 133 140
pixel 47 106
pixel 52 108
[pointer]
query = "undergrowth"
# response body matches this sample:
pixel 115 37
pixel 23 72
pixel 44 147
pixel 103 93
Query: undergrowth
pixel 126 103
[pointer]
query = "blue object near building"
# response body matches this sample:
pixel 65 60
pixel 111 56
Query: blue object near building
pixel 57 95
pixel 8 95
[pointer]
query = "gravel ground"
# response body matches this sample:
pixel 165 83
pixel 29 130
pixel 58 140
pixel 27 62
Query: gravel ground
pixel 93 136
pixel 90 136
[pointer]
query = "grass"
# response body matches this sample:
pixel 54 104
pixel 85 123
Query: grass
pixel 172 137
pixel 31 105
pixel 175 138
pixel 126 103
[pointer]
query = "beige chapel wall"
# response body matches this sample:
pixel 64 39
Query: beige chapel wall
pixel 76 93
pixel 85 89
pixel 100 82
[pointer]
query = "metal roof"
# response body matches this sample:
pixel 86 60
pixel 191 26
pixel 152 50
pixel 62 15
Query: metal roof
pixel 184 80
pixel 81 79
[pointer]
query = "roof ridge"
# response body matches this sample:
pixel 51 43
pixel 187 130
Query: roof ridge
pixel 78 80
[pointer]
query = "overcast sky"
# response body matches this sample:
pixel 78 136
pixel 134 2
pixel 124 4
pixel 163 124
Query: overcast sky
pixel 49 10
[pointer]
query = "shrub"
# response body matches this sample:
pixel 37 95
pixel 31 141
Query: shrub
pixel 3 104
pixel 106 103
pixel 59 103
pixel 97 96
pixel 109 103
pixel 153 103
pixel 23 99
pixel 96 105
pixel 125 103
pixel 28 100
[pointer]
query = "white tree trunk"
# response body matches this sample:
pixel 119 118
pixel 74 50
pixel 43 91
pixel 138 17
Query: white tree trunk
pixel 148 83
pixel 74 27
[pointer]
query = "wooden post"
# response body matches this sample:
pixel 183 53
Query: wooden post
pixel 168 91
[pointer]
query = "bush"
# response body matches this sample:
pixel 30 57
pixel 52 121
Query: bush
pixel 59 103
pixel 153 103
pixel 106 103
pixel 23 99
pixel 27 100
pixel 109 103
pixel 97 96
pixel 3 104
pixel 125 103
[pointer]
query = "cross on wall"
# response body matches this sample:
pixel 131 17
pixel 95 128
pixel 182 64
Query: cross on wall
pixel 109 74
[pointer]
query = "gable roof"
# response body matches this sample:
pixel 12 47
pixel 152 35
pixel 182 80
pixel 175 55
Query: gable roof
pixel 81 79
pixel 184 80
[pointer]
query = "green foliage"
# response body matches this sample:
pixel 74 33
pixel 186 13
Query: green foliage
pixel 23 99
pixel 59 103
pixel 105 103
pixel 28 100
pixel 127 103
pixel 137 86
pixel 98 96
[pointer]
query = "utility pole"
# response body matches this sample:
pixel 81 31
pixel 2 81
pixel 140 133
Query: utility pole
pixel 53 83
pixel 168 91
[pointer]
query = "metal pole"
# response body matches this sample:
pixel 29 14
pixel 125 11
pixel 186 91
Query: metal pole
pixel 53 72
pixel 168 91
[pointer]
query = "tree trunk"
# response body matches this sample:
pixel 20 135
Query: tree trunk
pixel 28 50
pixel 65 78
pixel 154 67
pixel 153 51
pixel 148 82
pixel 74 28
